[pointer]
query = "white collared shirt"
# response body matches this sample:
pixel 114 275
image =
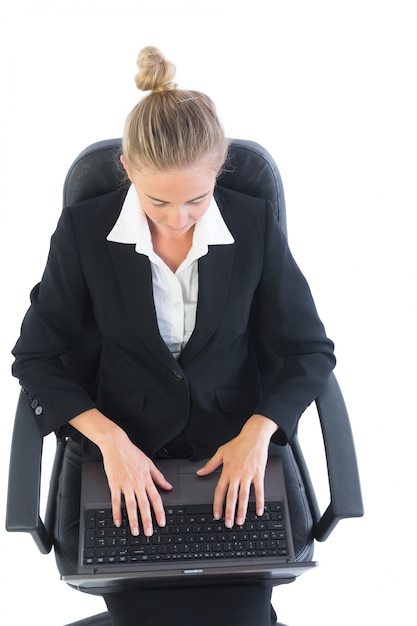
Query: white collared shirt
pixel 175 293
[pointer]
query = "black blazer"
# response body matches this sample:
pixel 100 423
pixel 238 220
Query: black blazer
pixel 258 344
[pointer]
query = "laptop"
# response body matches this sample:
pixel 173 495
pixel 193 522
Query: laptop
pixel 192 548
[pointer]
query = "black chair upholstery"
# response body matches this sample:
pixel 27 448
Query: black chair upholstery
pixel 251 170
pixel 102 619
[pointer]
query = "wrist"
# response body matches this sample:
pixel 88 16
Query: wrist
pixel 261 426
pixel 97 427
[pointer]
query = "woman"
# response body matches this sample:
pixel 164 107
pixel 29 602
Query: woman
pixel 210 343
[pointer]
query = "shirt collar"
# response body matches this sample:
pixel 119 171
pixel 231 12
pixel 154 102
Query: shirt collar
pixel 132 227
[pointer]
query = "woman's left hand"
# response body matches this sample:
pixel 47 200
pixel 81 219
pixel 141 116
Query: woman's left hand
pixel 244 461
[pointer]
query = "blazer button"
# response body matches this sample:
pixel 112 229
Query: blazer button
pixel 38 410
pixel 34 403
pixel 176 375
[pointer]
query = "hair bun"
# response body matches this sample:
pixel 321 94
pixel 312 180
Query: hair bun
pixel 155 72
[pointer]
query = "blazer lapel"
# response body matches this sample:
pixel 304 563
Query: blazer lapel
pixel 135 280
pixel 214 272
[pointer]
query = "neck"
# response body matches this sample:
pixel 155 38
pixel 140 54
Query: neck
pixel 172 250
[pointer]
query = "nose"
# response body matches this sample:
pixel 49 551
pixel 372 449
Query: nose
pixel 178 218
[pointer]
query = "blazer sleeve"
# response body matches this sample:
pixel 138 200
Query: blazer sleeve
pixel 60 306
pixel 295 357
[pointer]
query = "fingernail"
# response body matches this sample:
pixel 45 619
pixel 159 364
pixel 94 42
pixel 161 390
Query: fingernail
pixel 260 512
pixel 162 521
pixel 239 521
pixel 149 531
pixel 117 523
pixel 216 515
pixel 228 523
pixel 135 531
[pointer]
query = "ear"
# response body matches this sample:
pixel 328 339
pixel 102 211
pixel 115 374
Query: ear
pixel 125 165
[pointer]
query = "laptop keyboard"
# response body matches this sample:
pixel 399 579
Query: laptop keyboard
pixel 191 533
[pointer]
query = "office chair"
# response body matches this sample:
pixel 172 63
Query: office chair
pixel 250 169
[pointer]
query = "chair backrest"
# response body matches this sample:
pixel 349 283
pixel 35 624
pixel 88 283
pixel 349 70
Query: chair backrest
pixel 250 169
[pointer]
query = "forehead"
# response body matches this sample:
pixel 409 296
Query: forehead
pixel 185 183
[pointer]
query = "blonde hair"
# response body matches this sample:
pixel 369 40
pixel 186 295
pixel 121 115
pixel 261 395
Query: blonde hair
pixel 171 127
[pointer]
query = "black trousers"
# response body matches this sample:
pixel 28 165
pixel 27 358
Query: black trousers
pixel 194 606
pixel 225 605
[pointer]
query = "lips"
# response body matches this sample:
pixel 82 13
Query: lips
pixel 181 229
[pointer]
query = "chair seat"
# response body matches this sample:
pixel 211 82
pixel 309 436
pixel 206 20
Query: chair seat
pixel 102 619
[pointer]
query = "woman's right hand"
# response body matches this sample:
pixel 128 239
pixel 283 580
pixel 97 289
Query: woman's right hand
pixel 133 474
pixel 130 473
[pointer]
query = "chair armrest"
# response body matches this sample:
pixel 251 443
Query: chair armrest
pixel 342 468
pixel 24 485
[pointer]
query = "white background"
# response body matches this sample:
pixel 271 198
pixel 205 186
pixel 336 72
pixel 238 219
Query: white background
pixel 329 88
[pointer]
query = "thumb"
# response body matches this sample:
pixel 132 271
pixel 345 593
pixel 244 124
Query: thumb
pixel 211 465
pixel 159 478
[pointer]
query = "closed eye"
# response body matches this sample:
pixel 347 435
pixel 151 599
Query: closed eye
pixel 161 203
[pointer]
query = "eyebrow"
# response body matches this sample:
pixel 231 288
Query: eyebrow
pixel 203 195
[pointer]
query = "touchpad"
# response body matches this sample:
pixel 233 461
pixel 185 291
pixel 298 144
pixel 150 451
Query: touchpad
pixel 198 489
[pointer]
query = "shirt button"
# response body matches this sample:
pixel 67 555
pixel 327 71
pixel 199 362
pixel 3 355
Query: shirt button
pixel 176 375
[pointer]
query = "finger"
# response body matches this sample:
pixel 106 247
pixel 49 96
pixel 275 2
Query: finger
pixel 157 505
pixel 219 497
pixel 159 478
pixel 116 501
pixel 212 464
pixel 230 507
pixel 258 485
pixel 145 513
pixel 244 492
pixel 132 512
